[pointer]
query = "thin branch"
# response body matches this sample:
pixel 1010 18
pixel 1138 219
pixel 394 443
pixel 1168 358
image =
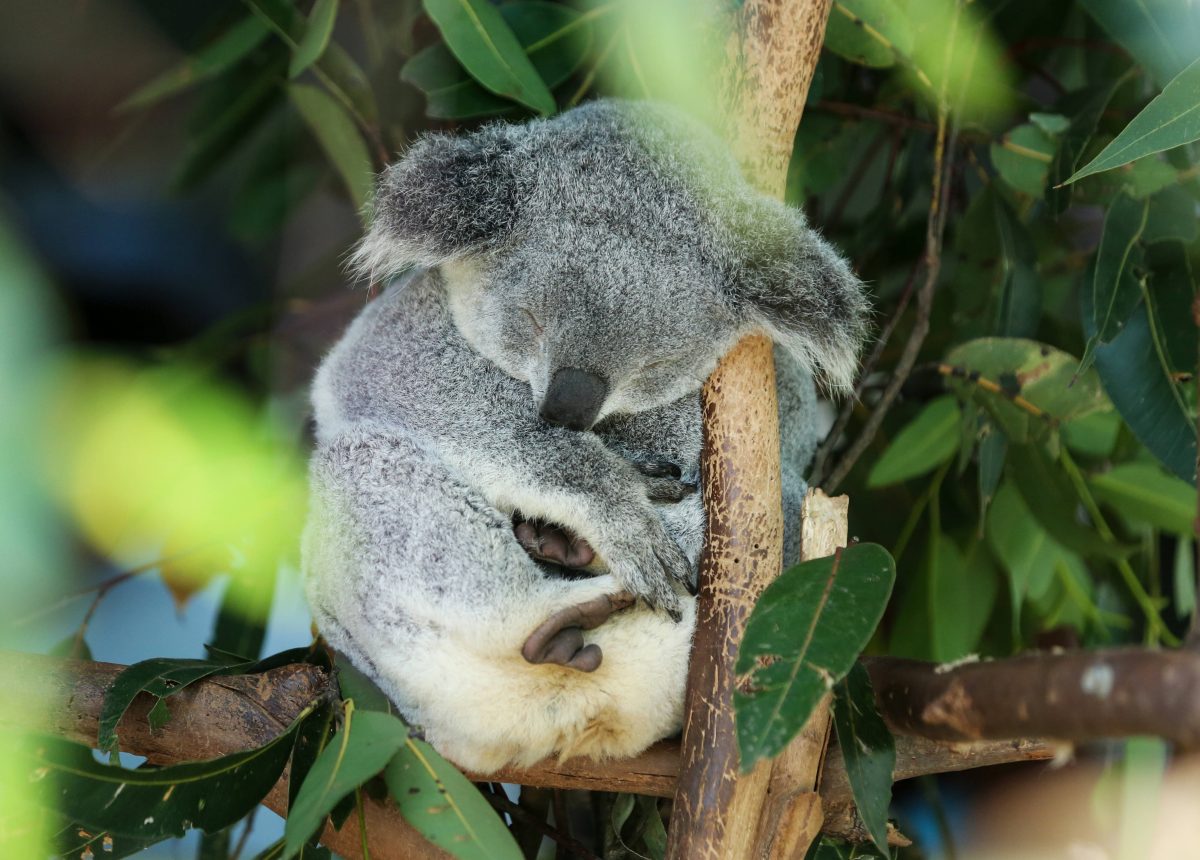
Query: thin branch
pixel 878 114
pixel 934 232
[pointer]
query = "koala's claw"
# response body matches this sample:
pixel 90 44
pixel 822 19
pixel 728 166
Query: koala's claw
pixel 658 469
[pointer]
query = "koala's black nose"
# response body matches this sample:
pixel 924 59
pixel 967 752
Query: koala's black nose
pixel 574 398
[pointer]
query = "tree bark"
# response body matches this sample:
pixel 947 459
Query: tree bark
pixel 772 54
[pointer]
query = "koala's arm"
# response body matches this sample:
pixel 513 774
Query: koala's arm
pixel 573 479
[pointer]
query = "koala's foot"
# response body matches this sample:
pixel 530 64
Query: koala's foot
pixel 552 543
pixel 663 481
pixel 648 563
pixel 559 639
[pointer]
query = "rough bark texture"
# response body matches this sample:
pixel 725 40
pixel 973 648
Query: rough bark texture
pixel 1074 696
pixel 791 814
pixel 772 53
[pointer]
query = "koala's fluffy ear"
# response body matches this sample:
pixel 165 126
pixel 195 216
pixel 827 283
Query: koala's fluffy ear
pixel 446 197
pixel 791 282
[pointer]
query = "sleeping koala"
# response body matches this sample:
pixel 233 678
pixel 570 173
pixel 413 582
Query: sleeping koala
pixel 578 279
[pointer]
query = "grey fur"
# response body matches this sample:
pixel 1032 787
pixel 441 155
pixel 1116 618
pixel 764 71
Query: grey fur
pixel 618 238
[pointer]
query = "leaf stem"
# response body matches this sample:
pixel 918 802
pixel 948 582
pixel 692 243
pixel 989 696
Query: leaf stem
pixel 1156 630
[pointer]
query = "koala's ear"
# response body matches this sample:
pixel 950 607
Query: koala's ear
pixel 446 197
pixel 791 282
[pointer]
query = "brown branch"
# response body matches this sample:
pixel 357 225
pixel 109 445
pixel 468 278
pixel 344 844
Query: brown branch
pixel 878 114
pixel 1075 696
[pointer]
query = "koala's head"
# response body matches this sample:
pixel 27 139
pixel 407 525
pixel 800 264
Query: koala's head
pixel 609 257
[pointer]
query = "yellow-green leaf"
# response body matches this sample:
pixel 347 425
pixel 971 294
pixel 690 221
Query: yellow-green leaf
pixel 338 136
pixel 925 443
pixel 316 36
pixel 1143 493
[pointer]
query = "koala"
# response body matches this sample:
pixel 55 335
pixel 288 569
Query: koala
pixel 568 285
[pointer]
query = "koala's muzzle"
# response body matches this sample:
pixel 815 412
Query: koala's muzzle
pixel 574 398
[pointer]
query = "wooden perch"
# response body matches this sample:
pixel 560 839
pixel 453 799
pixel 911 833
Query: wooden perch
pixel 946 719
pixel 772 53
pixel 223 715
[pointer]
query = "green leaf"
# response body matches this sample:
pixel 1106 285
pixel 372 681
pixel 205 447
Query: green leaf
pixel 1040 374
pixel 1143 493
pixel 1185 577
pixel 654 834
pixel 1149 400
pixel 1075 140
pixel 1172 217
pixel 1020 305
pixel 802 637
pixel 961 593
pixel 363 747
pixel 366 694
pixel 868 750
pixel 1115 288
pixel 993 448
pixel 155 803
pixel 436 799
pixel 1171 120
pixel 275 851
pixel 925 443
pixel 1093 435
pixel 869 32
pixel 1162 35
pixel 316 37
pixel 478 36
pixel 336 133
pixel 311 739
pixel 233 45
pixel 1027 553
pixel 1022 157
pixel 162 677
pixel 555 38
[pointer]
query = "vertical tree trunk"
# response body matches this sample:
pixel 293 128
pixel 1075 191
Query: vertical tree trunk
pixel 771 53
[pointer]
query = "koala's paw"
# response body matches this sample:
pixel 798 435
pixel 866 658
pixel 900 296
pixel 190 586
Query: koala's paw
pixel 649 564
pixel 663 482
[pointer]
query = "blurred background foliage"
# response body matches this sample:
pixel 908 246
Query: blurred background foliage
pixel 179 184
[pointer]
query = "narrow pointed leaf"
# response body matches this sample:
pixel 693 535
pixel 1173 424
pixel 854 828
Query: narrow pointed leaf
pixel 1171 119
pixel 316 36
pixel 869 32
pixel 441 803
pixel 1075 140
pixel 1134 377
pixel 363 747
pixel 481 40
pixel 155 803
pixel 1114 284
pixel 336 133
pixel 868 751
pixel 236 43
pixel 162 676
pixel 1162 35
pixel 1143 493
pixel 802 638
pixel 922 445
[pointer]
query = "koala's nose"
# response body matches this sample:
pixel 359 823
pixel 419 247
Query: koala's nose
pixel 574 398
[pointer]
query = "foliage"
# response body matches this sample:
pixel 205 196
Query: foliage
pixel 1021 176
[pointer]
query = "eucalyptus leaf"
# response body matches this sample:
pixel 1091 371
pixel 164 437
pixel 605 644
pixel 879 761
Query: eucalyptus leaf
pixel 555 38
pixel 478 36
pixel 1162 35
pixel 1172 217
pixel 366 743
pixel 316 37
pixel 155 803
pixel 1020 304
pixel 925 443
pixel 235 44
pixel 160 677
pixel 1091 105
pixel 868 751
pixel 803 636
pixel 1022 157
pixel 961 591
pixel 1143 392
pixel 1039 374
pixel 1114 283
pixel 338 136
pixel 1143 493
pixel 1170 120
pixel 869 32
pixel 442 804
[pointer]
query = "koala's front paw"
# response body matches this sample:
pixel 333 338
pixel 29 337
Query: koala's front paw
pixel 647 562
pixel 662 481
